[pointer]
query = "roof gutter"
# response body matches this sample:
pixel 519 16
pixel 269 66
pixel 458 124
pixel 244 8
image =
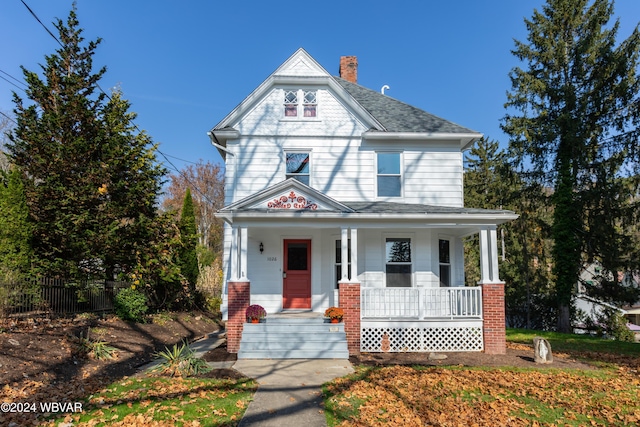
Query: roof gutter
pixel 466 138
pixel 216 143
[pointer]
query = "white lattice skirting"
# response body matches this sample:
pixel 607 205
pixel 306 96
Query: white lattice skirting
pixel 378 336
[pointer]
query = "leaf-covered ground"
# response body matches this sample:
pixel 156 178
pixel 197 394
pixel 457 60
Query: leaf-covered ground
pixel 39 362
pixel 437 396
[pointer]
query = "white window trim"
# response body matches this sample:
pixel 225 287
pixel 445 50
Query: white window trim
pixel 302 150
pixel 377 174
pixel 334 239
pixel 410 236
pixel 451 257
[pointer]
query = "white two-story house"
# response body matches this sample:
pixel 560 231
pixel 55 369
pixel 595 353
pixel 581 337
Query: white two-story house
pixel 328 183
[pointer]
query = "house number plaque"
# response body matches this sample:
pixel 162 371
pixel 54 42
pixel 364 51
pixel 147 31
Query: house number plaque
pixel 272 258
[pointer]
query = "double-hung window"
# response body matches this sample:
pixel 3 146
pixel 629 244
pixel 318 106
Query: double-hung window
pixel 398 262
pixel 389 175
pixel 294 108
pixel 297 166
pixel 445 263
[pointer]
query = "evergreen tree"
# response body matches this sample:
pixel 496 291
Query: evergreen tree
pixel 15 228
pixel 189 237
pixel 490 183
pixel 91 181
pixel 484 189
pixel 573 124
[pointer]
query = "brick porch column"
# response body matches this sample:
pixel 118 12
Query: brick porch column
pixel 239 299
pixel 493 329
pixel 350 303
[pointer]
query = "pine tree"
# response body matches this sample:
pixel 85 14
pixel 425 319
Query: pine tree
pixel 91 180
pixel 573 122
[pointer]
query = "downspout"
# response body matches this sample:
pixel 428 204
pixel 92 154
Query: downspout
pixel 225 291
pixel 216 144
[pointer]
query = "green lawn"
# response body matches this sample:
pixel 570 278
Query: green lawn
pixel 575 343
pixel 186 402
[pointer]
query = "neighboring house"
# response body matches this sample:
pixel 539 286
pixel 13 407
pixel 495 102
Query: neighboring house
pixel 337 195
pixel 591 308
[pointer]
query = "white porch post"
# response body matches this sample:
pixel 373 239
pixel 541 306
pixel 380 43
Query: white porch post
pixel 234 254
pixel 489 256
pixel 244 238
pixel 354 255
pixel 344 253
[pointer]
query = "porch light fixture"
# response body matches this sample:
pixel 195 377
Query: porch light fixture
pixel 261 247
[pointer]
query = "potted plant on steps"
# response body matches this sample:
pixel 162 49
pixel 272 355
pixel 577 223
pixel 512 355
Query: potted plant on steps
pixel 334 314
pixel 255 313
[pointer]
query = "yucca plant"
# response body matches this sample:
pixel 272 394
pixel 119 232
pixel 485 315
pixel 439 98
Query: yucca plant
pixel 85 346
pixel 102 351
pixel 180 361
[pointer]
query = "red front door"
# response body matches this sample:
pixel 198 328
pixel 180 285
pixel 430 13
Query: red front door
pixel 296 289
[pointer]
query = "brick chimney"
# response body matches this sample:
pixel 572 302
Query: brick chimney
pixel 349 68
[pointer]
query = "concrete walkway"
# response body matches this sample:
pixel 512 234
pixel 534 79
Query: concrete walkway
pixel 289 391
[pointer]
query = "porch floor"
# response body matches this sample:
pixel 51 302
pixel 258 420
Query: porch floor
pixel 296 314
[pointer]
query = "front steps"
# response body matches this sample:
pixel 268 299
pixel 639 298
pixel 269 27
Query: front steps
pixel 290 337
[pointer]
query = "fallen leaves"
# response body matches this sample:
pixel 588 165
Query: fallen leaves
pixel 452 397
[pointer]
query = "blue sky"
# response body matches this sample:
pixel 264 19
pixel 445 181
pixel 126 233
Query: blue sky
pixel 185 64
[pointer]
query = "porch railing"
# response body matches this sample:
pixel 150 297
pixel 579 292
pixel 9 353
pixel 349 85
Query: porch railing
pixel 421 303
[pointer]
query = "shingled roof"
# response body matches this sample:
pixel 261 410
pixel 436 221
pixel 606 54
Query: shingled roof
pixel 397 116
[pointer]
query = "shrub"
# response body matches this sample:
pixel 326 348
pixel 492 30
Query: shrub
pixel 130 304
pixel 614 325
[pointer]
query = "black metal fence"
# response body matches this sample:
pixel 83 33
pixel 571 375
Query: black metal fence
pixel 48 297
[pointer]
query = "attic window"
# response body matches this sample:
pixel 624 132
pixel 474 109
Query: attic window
pixel 310 103
pixel 292 105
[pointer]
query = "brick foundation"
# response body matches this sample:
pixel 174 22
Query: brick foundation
pixel 239 300
pixel 350 303
pixel 493 330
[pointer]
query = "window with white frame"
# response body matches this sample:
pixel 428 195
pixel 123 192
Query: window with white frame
pixel 444 256
pixel 339 263
pixel 292 104
pixel 389 175
pixel 297 166
pixel 398 262
pixel 310 103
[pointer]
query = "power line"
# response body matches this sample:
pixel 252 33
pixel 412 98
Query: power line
pixel 11 83
pixel 17 80
pixel 9 118
pixel 44 26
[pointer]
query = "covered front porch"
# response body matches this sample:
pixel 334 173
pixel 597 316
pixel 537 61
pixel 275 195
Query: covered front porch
pixel 397 270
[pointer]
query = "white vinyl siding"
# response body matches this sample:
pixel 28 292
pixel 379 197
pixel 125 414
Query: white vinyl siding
pixel 343 165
